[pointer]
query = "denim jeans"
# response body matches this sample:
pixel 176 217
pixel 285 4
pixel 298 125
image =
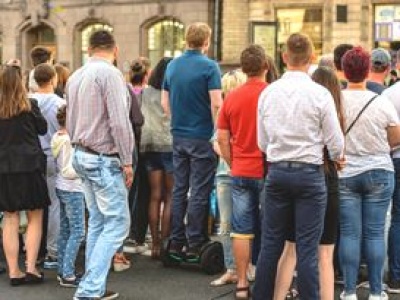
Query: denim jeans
pixel 109 219
pixel 53 226
pixel 394 232
pixel 224 196
pixel 364 201
pixel 72 230
pixel 291 192
pixel 194 168
pixel 246 206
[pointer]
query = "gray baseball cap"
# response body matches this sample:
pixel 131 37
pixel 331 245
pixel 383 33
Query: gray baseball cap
pixel 380 57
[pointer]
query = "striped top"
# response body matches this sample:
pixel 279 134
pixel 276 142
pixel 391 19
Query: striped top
pixel 98 109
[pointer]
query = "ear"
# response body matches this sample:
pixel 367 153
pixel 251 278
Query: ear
pixel 313 57
pixel 285 57
pixel 90 51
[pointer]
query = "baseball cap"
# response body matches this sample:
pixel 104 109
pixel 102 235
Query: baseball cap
pixel 380 57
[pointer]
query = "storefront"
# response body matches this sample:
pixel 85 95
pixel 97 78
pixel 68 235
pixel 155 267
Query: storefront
pixel 387 27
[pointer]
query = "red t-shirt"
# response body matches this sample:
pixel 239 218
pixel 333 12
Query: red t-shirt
pixel 239 115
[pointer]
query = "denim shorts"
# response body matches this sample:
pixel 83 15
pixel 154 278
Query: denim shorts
pixel 246 206
pixel 158 161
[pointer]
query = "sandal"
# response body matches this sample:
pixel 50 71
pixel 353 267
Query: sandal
pixel 243 289
pixel 292 294
pixel 121 263
pixel 228 278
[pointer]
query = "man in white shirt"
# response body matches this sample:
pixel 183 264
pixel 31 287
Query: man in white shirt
pixel 393 94
pixel 296 118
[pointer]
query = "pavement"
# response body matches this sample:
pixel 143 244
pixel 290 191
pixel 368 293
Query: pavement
pixel 146 280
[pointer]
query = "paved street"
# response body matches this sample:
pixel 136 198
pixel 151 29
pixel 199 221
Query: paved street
pixel 147 280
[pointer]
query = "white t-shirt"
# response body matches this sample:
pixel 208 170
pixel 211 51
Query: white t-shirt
pixel 367 146
pixel 393 94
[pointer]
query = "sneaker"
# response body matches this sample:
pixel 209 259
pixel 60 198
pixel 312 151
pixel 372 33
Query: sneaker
pixel 176 249
pixel 109 295
pixel 135 248
pixel 393 287
pixel 193 254
pixel 50 263
pixel 382 296
pixel 344 296
pixel 71 283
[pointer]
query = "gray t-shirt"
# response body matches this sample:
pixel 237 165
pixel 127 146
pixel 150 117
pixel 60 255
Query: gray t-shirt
pixel 367 146
pixel 156 131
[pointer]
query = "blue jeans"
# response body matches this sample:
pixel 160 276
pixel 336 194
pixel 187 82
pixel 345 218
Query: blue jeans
pixel 246 206
pixel 394 232
pixel 298 192
pixel 364 201
pixel 194 168
pixel 224 196
pixel 72 230
pixel 109 220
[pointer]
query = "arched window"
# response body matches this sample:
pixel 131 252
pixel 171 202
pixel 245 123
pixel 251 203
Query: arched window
pixel 85 36
pixel 165 38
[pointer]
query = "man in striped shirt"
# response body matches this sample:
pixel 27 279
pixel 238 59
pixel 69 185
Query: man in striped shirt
pixel 101 133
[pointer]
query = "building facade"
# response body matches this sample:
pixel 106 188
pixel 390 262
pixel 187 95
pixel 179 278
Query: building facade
pixel 368 23
pixel 151 28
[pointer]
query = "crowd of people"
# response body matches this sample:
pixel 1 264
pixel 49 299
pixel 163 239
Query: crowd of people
pixel 306 167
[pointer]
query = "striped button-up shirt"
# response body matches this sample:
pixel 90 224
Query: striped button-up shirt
pixel 98 110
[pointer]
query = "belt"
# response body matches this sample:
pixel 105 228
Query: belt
pixel 91 151
pixel 296 165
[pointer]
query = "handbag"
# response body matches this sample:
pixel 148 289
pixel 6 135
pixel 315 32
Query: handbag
pixel 359 114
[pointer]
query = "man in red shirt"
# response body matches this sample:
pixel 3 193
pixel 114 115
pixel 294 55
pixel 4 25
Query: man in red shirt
pixel 237 138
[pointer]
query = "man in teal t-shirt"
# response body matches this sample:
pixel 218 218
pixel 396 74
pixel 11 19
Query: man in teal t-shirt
pixel 192 96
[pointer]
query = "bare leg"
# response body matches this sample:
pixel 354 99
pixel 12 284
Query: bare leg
pixel 241 250
pixel 326 272
pixel 286 267
pixel 166 216
pixel 33 236
pixel 155 180
pixel 11 243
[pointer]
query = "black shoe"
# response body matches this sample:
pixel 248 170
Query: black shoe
pixel 393 287
pixel 175 249
pixel 17 281
pixel 33 278
pixel 2 270
pixel 71 283
pixel 109 295
pixel 193 254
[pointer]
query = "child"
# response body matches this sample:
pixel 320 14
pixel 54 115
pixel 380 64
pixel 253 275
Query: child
pixel 69 191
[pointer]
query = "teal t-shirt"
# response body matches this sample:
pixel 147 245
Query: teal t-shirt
pixel 188 80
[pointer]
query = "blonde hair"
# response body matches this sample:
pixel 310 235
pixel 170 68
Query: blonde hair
pixel 197 35
pixel 13 97
pixel 232 80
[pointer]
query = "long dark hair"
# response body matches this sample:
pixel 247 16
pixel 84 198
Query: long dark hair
pixel 157 75
pixel 327 78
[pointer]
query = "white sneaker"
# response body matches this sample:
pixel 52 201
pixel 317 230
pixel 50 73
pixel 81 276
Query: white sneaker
pixel 344 296
pixel 382 296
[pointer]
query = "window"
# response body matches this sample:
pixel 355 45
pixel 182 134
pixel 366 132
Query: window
pixel 85 36
pixel 387 27
pixel 305 20
pixel 43 36
pixel 165 38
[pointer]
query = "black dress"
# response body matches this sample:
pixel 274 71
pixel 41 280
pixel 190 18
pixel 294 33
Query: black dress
pixel 22 162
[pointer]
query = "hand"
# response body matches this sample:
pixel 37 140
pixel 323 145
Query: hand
pixel 340 163
pixel 128 174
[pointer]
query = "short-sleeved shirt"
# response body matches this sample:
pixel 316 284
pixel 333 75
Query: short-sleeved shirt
pixel 239 115
pixel 188 80
pixel 367 146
